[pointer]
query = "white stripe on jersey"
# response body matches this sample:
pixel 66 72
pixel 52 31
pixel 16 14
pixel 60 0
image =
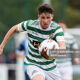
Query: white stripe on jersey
pixel 38 34
pixel 59 30
pixel 19 27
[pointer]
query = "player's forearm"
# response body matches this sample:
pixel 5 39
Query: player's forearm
pixel 8 36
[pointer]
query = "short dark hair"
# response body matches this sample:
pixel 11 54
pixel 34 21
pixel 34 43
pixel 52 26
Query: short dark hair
pixel 45 8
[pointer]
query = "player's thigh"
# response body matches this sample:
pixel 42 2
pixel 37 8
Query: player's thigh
pixel 35 73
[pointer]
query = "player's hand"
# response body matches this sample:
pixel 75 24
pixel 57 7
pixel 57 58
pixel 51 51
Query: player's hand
pixel 1 50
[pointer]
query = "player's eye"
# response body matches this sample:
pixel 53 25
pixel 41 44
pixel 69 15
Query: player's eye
pixel 43 17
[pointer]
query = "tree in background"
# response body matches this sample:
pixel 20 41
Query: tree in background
pixel 60 9
pixel 73 13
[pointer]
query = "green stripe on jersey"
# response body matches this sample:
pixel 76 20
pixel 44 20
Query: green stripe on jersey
pixel 60 34
pixel 47 69
pixel 58 27
pixel 35 56
pixel 36 37
pixel 41 31
pixel 33 50
pixel 23 26
pixel 40 63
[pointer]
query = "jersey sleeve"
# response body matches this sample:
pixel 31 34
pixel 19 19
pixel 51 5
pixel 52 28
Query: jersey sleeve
pixel 59 35
pixel 23 26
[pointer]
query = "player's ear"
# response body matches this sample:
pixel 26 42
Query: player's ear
pixel 39 17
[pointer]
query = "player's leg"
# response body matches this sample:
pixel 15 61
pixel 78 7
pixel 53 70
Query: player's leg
pixel 35 73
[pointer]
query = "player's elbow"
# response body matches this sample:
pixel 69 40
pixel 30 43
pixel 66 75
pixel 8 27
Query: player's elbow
pixel 15 28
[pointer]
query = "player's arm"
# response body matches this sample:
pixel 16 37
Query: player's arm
pixel 8 36
pixel 20 27
pixel 59 34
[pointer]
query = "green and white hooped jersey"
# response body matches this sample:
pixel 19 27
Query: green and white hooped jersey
pixel 70 41
pixel 70 44
pixel 35 36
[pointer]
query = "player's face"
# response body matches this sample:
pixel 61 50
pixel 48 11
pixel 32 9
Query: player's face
pixel 45 19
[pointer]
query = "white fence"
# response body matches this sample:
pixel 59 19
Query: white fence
pixel 18 68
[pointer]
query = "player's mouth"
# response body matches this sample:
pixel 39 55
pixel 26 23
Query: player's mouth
pixel 45 24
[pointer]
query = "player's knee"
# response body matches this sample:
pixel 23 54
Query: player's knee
pixel 38 77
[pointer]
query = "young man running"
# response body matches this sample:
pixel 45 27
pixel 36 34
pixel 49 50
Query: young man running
pixel 38 30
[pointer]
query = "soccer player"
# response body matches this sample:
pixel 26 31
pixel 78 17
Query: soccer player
pixel 65 64
pixel 23 47
pixel 39 68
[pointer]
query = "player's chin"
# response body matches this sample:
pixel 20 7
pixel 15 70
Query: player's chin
pixel 45 26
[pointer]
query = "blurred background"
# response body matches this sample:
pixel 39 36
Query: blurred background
pixel 15 11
